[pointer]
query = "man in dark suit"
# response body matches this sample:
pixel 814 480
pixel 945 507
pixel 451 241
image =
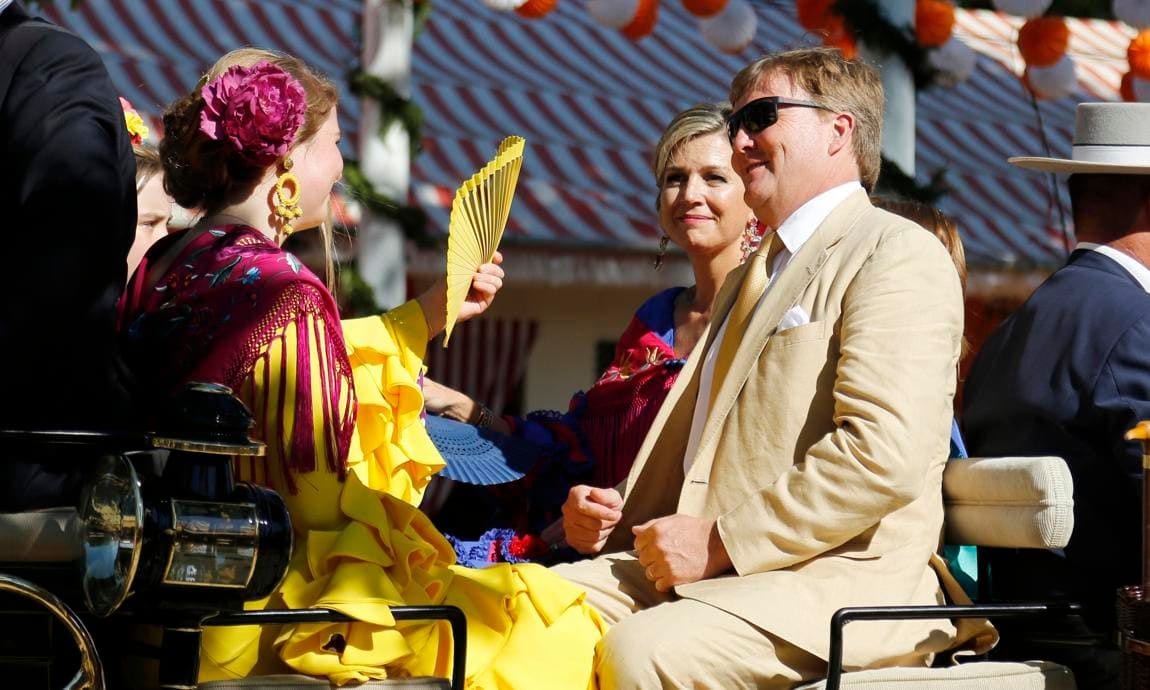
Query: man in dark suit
pixel 67 216
pixel 1068 374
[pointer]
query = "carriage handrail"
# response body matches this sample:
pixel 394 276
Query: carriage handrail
pixel 877 613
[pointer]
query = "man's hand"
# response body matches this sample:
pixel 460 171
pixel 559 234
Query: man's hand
pixel 679 550
pixel 589 515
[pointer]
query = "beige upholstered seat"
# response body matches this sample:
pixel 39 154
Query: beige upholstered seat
pixel 1021 503
pixel 1011 502
pixel 983 675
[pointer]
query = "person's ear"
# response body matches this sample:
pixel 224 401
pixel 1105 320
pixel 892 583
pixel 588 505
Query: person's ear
pixel 843 126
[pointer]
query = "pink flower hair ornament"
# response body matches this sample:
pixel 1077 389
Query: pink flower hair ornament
pixel 259 109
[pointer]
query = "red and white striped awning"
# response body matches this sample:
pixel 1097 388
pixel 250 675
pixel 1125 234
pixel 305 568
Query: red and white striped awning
pixel 591 104
pixel 487 359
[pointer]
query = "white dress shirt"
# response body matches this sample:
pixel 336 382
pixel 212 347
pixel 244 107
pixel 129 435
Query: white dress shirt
pixel 1133 266
pixel 794 233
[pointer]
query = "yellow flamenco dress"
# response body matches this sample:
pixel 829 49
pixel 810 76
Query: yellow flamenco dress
pixel 362 545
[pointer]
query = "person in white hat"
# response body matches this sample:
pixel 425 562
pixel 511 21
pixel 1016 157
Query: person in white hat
pixel 1067 375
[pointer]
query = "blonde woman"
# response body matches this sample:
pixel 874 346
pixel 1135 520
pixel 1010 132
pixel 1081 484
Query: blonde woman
pixel 701 209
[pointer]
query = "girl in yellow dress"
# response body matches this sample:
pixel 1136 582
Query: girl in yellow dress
pixel 255 146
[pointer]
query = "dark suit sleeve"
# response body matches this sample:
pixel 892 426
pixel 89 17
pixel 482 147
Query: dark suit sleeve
pixel 1122 394
pixel 71 207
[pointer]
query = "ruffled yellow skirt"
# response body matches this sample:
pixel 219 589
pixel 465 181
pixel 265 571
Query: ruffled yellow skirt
pixel 362 546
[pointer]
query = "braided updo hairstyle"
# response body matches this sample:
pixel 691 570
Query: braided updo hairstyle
pixel 208 174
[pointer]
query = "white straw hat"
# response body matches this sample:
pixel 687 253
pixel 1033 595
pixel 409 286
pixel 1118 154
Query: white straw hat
pixel 1108 138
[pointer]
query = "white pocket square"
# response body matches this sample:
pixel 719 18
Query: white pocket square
pixel 795 316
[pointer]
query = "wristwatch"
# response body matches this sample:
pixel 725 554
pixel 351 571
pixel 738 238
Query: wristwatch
pixel 485 418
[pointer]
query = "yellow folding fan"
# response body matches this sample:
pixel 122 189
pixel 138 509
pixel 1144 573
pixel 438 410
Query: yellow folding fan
pixel 478 216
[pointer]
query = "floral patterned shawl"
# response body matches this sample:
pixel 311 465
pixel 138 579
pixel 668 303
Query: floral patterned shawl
pixel 211 317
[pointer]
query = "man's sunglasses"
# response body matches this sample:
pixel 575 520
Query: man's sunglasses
pixel 761 113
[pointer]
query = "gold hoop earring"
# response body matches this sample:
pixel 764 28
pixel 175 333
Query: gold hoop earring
pixel 663 242
pixel 288 193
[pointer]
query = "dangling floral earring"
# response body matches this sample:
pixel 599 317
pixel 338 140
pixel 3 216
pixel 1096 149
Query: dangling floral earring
pixel 287 196
pixel 663 242
pixel 752 238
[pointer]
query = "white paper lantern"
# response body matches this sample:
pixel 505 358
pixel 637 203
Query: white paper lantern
pixel 1141 89
pixel 731 30
pixel 1136 13
pixel 505 5
pixel 1055 81
pixel 613 13
pixel 954 60
pixel 1022 8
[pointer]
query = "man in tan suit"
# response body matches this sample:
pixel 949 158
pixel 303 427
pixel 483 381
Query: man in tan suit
pixel 796 466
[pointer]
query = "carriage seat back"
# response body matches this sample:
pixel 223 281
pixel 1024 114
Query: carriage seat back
pixel 1009 502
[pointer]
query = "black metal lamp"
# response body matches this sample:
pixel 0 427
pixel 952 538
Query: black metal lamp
pixel 191 535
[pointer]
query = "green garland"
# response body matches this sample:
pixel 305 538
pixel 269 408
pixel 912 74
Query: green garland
pixel 867 19
pixel 393 107
pixel 411 219
pixel 421 10
pixel 893 181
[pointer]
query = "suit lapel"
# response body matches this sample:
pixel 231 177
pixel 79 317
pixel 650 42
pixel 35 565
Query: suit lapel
pixel 724 302
pixel 656 478
pixel 783 293
pixel 679 407
pixel 675 413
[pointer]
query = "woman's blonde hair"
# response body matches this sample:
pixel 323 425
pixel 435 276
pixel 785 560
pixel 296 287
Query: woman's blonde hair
pixel 694 122
pixel 148 164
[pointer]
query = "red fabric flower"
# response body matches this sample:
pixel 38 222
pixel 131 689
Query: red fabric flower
pixel 259 109
pixel 527 546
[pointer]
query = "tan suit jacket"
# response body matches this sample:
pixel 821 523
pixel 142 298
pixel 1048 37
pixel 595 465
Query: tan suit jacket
pixel 822 455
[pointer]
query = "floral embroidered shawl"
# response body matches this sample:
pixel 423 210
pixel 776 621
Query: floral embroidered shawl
pixel 229 294
pixel 618 411
pixel 595 442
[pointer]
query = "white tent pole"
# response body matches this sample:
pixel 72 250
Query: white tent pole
pixel 385 160
pixel 898 132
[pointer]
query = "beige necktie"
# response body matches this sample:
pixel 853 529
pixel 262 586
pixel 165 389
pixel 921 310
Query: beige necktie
pixel 755 282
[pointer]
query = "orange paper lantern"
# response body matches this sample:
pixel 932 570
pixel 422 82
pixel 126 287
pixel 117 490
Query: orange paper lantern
pixel 704 8
pixel 1139 54
pixel 933 22
pixel 1126 89
pixel 1043 40
pixel 644 21
pixel 814 14
pixel 534 9
pixel 838 35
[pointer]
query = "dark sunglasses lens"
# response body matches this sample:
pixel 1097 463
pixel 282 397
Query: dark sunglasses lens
pixel 759 115
pixel 753 118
